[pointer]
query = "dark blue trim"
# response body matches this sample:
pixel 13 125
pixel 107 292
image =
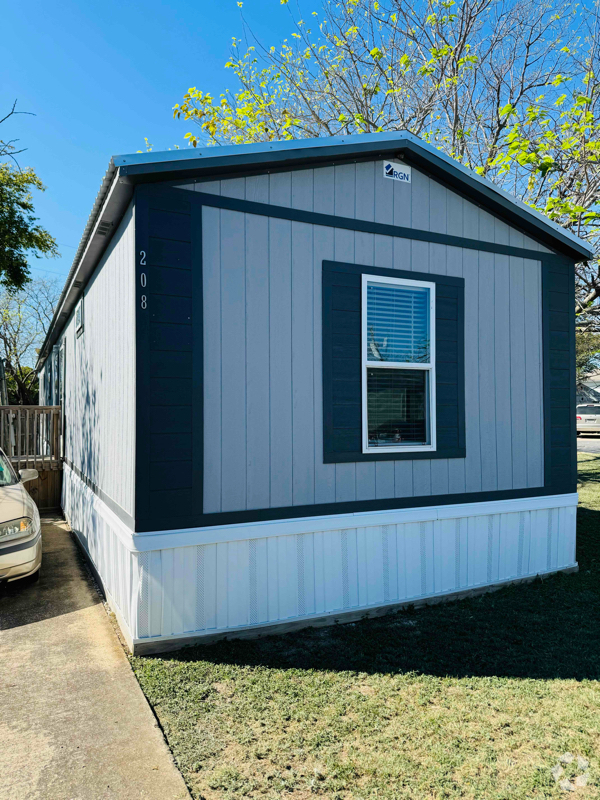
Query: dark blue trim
pixel 558 320
pixel 198 363
pixel 141 212
pixel 336 447
pixel 412 151
pixel 351 507
pixel 559 476
pixel 364 226
pixel 169 366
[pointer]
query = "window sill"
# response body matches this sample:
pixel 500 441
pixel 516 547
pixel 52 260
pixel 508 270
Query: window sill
pixel 426 448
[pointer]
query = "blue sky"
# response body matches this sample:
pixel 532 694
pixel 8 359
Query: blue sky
pixel 100 77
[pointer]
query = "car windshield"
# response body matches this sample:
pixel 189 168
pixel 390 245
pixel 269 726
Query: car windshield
pixel 7 476
pixel 588 409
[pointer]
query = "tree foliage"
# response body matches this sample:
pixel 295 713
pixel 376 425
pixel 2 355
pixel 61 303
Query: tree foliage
pixel 510 88
pixel 20 233
pixel 438 68
pixel 587 358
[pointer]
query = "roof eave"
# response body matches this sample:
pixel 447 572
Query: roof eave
pixel 407 146
pixel 108 210
pixel 125 172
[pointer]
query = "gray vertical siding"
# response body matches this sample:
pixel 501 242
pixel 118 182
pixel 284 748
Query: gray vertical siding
pixel 423 204
pixel 100 374
pixel 48 385
pixel 263 370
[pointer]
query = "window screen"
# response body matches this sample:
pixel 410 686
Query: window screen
pixel 397 323
pixel 396 406
pixel 398 402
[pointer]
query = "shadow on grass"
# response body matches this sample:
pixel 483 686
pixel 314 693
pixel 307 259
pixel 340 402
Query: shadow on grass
pixel 588 471
pixel 546 629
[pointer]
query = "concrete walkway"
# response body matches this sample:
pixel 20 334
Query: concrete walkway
pixel 74 724
pixel 589 443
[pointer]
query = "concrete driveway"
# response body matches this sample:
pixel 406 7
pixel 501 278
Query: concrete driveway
pixel 589 443
pixel 74 724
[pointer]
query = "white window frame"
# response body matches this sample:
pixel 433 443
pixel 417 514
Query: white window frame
pixel 430 368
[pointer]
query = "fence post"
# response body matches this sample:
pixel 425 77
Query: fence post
pixel 31 437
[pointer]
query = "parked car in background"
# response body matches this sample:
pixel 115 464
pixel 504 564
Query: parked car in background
pixel 588 418
pixel 20 528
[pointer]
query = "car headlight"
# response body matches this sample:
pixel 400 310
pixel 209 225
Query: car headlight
pixel 16 528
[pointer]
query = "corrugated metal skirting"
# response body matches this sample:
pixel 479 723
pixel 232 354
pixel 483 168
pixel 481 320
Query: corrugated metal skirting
pixel 230 586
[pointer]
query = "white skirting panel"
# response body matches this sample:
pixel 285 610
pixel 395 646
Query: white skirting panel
pixel 222 586
pixel 104 537
pixel 231 585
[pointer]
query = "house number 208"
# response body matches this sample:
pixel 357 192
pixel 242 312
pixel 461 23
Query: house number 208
pixel 143 299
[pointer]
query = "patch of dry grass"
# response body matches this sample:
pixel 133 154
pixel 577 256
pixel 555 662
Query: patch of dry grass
pixel 475 699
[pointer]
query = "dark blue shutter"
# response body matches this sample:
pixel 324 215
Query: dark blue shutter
pixel 342 373
pixel 558 286
pixel 165 462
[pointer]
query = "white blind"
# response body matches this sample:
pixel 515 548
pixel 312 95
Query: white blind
pixel 397 323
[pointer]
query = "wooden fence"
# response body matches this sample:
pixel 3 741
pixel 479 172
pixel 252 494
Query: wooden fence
pixel 31 436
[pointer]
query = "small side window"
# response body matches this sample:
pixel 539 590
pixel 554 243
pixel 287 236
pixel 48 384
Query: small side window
pixel 79 318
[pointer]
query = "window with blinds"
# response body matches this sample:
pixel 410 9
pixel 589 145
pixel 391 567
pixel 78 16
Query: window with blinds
pixel 397 323
pixel 398 340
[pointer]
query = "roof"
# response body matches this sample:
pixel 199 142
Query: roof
pixel 125 171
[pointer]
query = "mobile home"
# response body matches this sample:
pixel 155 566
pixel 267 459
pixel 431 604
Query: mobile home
pixel 306 381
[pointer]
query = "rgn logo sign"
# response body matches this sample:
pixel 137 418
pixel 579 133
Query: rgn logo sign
pixel 396 171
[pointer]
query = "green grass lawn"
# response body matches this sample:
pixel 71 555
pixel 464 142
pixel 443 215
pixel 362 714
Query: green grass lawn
pixel 473 699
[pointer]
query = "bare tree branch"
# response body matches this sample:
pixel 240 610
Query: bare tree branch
pixel 25 317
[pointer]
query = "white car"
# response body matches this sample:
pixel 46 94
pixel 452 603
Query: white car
pixel 20 528
pixel 588 418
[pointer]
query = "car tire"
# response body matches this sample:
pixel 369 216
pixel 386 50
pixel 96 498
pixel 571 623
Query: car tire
pixel 35 577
